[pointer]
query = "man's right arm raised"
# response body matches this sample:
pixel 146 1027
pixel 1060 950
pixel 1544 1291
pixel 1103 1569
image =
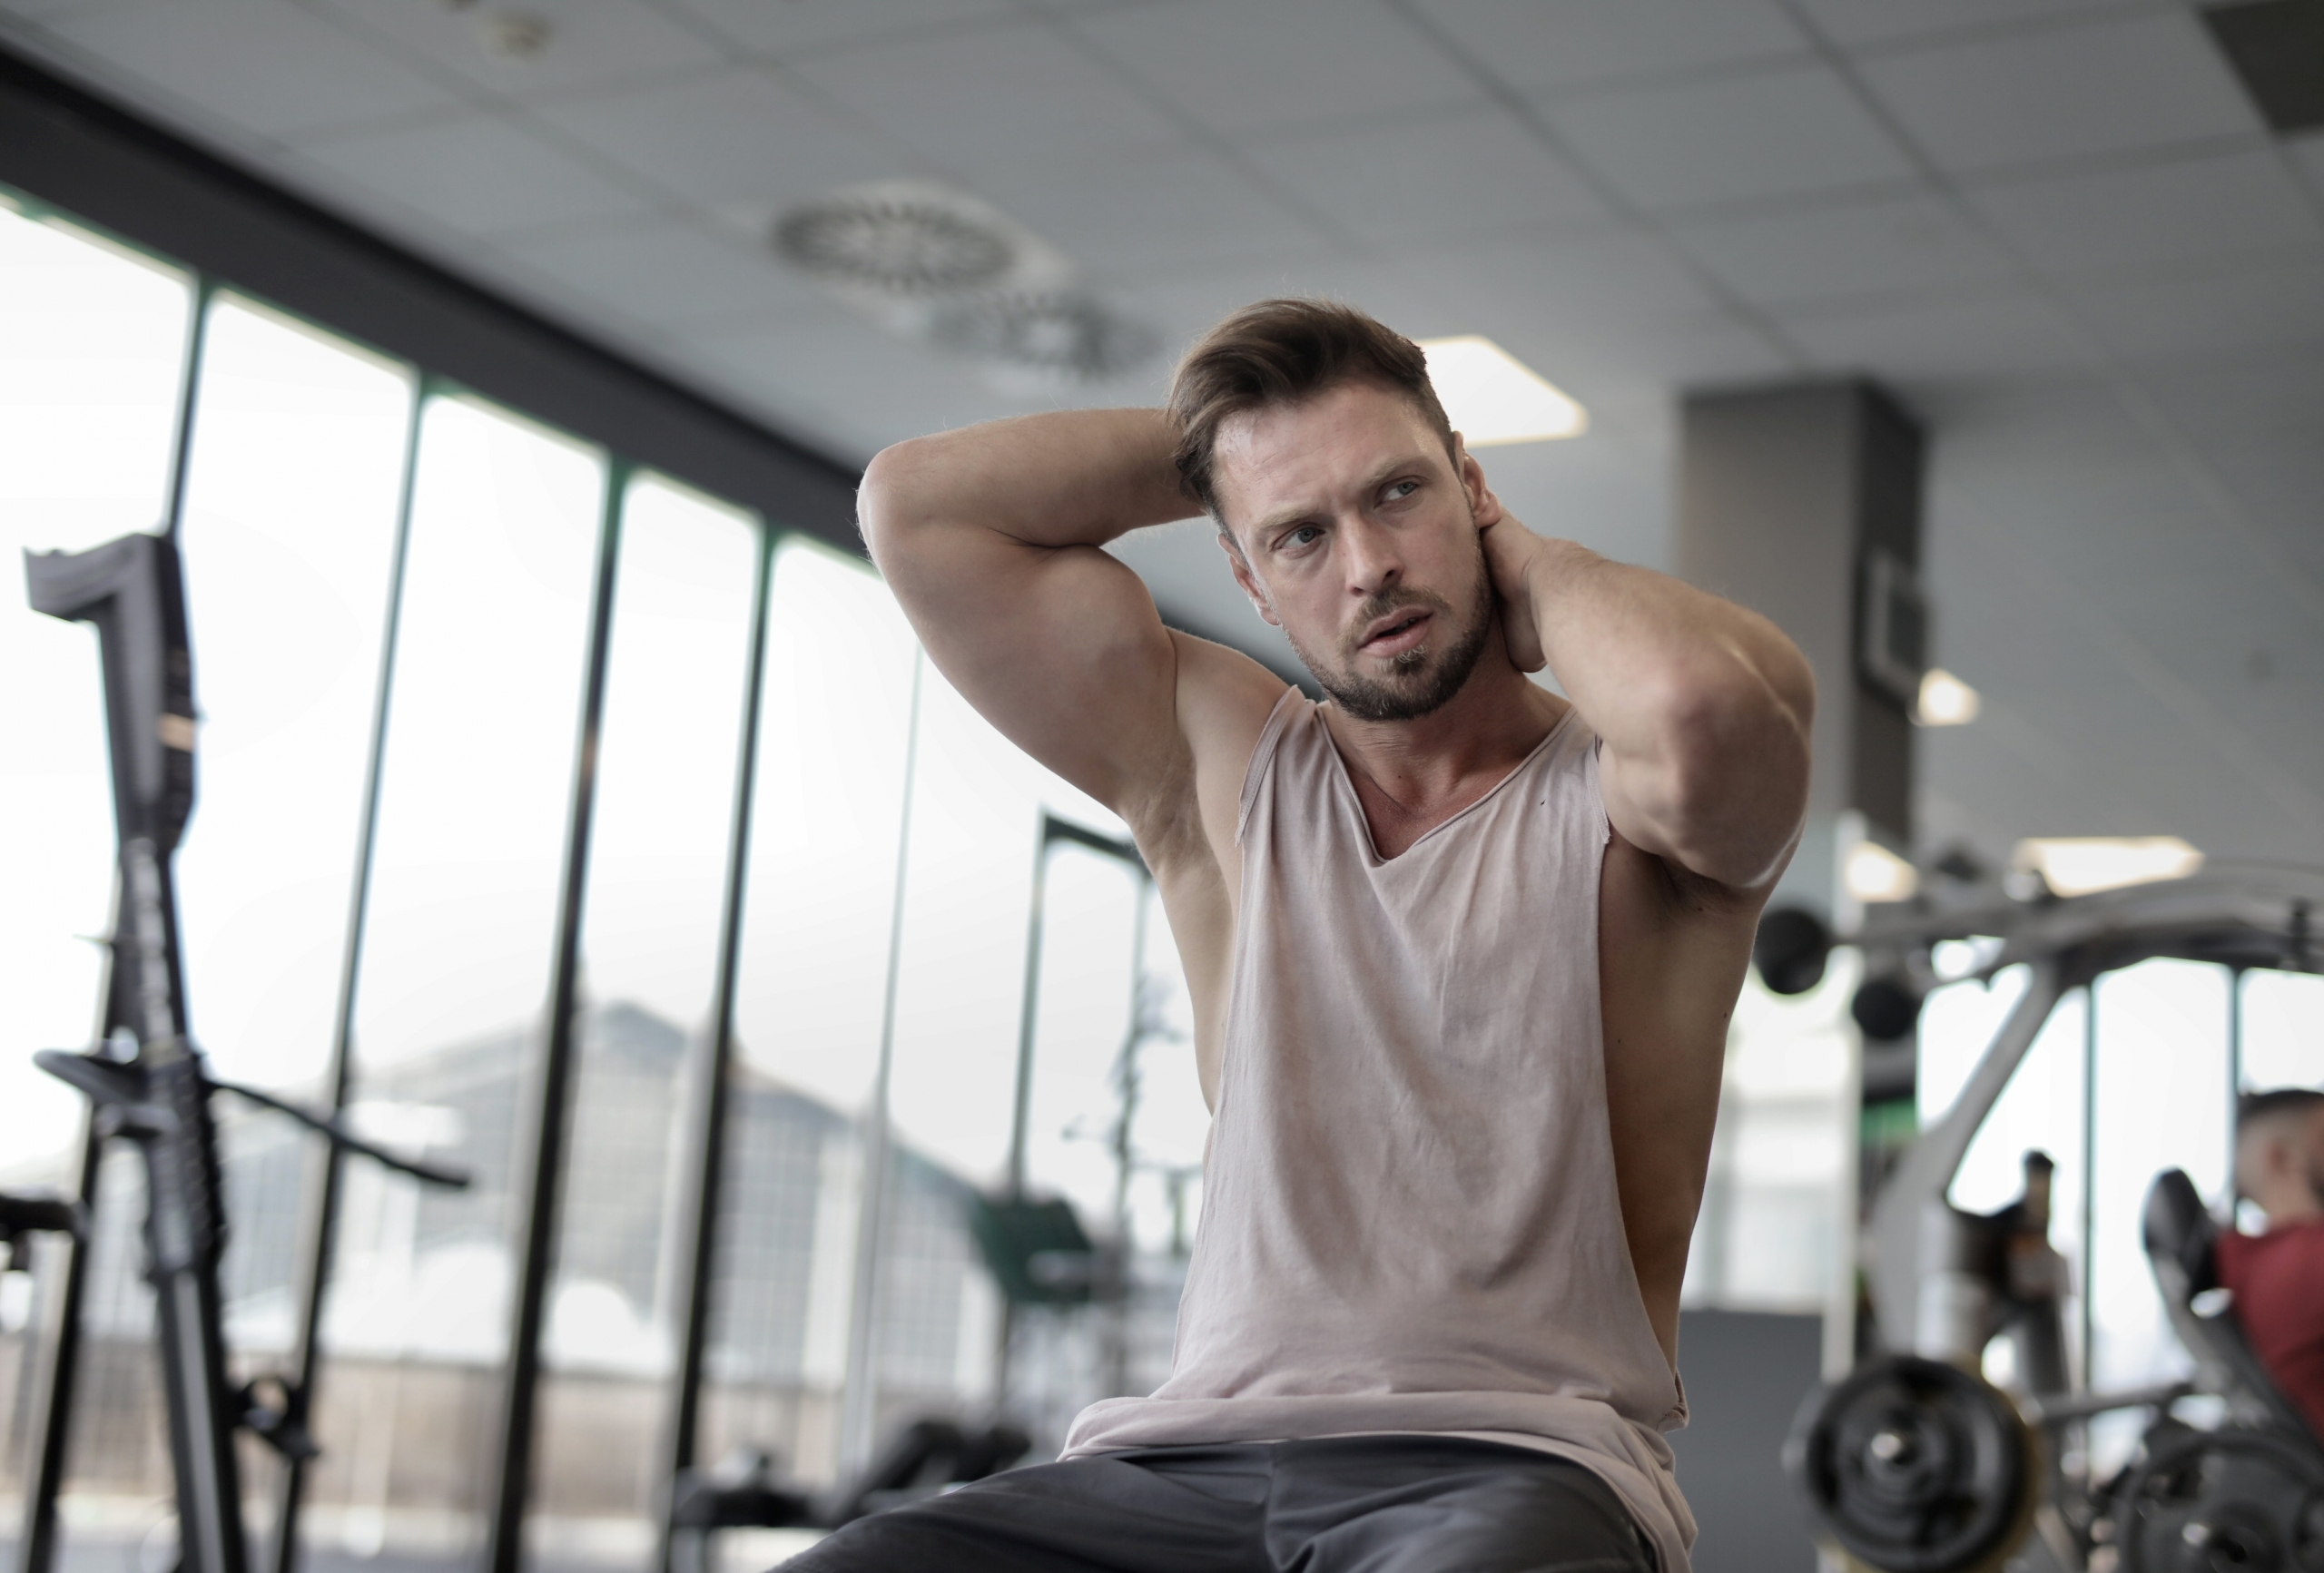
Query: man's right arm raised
pixel 990 536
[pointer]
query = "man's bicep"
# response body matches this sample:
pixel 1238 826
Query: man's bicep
pixel 1060 648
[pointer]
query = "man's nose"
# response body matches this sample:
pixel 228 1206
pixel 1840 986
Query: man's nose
pixel 1373 562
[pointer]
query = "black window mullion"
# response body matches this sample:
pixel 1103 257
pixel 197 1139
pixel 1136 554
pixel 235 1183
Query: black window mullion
pixel 706 1119
pixel 321 1225
pixel 538 1179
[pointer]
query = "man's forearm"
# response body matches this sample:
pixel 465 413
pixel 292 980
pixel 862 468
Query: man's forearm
pixel 1075 477
pixel 1627 644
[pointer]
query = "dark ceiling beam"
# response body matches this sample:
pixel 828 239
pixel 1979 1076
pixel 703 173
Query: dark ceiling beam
pixel 100 162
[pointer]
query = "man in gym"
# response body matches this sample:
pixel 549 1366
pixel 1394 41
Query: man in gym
pixel 1461 952
pixel 2278 1277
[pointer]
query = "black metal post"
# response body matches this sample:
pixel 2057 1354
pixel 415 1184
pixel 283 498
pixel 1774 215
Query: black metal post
pixel 540 1175
pixel 321 1223
pixel 706 1120
pixel 51 1426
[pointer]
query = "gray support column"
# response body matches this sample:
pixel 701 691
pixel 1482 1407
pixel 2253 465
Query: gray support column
pixel 1803 502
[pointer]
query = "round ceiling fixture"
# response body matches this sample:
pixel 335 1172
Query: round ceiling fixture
pixel 900 244
pixel 1062 332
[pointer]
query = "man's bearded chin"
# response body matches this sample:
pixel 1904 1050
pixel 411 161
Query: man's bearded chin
pixel 1420 681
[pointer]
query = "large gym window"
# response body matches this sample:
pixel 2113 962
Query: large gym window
pixel 799 843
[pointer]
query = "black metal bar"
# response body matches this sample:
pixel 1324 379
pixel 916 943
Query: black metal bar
pixel 706 1120
pixel 2089 1307
pixel 540 1176
pixel 197 337
pixel 53 1407
pixel 320 1226
pixel 1054 829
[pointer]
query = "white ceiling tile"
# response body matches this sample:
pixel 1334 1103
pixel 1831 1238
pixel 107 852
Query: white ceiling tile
pixel 1150 211
pixel 2107 87
pixel 1608 278
pixel 2223 310
pixel 270 66
pixel 1986 337
pixel 776 26
pixel 734 136
pixel 843 384
pixel 479 174
pixel 1560 43
pixel 1767 133
pixel 2273 403
pixel 1241 67
pixel 1878 248
pixel 590 42
pixel 1419 179
pixel 668 273
pixel 1881 21
pixel 986 100
pixel 2155 213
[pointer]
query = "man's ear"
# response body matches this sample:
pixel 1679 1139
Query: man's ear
pixel 1241 567
pixel 1484 506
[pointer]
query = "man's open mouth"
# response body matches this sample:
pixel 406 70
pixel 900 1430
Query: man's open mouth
pixel 1399 634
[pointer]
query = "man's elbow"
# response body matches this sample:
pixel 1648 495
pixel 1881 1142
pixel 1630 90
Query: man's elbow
pixel 1739 780
pixel 888 502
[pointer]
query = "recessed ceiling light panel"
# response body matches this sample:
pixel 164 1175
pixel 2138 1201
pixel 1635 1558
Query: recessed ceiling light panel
pixel 1945 700
pixel 1873 873
pixel 2082 865
pixel 1492 398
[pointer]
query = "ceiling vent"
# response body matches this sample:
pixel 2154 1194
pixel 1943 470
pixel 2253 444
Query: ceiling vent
pixel 939 266
pixel 902 241
pixel 2277 49
pixel 1066 333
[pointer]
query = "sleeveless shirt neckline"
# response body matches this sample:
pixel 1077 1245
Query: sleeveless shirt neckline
pixel 1354 800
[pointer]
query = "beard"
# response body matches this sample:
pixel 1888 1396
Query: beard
pixel 1420 680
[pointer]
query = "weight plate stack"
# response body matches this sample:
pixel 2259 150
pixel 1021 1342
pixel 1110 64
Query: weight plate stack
pixel 2210 1502
pixel 1914 1466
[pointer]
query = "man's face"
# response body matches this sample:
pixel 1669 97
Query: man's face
pixel 1356 533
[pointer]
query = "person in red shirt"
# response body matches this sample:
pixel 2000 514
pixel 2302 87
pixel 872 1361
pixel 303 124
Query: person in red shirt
pixel 2278 1277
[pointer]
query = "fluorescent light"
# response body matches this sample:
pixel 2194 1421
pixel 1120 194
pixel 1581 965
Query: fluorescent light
pixel 2078 865
pixel 1873 873
pixel 1493 397
pixel 1945 700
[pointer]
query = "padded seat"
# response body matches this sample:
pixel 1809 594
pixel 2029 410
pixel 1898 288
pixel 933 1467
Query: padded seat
pixel 2182 1240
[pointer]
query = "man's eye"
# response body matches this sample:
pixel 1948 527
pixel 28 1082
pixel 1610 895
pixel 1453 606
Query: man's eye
pixel 1402 489
pixel 1305 534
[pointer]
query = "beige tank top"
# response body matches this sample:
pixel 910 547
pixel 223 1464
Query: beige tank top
pixel 1410 1221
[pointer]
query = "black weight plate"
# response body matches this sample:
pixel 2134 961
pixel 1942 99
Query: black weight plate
pixel 1915 1466
pixel 2215 1501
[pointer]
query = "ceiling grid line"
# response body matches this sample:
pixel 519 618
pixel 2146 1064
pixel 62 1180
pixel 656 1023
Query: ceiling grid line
pixel 1198 131
pixel 2220 502
pixel 1518 106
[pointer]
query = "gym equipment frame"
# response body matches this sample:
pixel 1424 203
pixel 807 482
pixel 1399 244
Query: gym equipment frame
pixel 1913 1462
pixel 146 1081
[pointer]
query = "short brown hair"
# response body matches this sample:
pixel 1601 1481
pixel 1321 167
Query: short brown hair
pixel 1283 351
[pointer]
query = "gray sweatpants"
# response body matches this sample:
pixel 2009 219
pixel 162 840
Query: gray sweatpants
pixel 1384 1504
